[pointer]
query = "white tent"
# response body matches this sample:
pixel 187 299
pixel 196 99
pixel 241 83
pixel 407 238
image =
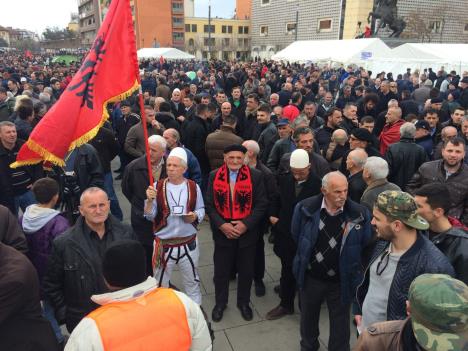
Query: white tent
pixel 424 55
pixel 343 51
pixel 166 53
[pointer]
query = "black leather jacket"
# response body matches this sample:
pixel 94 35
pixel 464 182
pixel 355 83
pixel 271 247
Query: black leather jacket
pixel 74 270
pixel 454 244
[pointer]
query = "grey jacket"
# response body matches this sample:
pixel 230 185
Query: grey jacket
pixel 374 189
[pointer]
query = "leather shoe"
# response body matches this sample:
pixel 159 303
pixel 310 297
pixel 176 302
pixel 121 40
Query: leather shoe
pixel 259 288
pixel 246 312
pixel 278 312
pixel 217 313
pixel 276 289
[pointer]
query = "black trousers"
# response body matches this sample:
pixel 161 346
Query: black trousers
pixel 149 259
pixel 225 257
pixel 287 282
pixel 312 295
pixel 259 271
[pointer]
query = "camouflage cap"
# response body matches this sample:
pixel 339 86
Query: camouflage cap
pixel 439 312
pixel 401 205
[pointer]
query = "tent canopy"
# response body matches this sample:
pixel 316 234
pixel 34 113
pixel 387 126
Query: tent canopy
pixel 344 51
pixel 166 53
pixel 424 55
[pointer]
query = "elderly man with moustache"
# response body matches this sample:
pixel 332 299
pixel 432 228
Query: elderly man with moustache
pixel 134 183
pixel 295 186
pixel 331 232
pixel 236 204
pixel 175 206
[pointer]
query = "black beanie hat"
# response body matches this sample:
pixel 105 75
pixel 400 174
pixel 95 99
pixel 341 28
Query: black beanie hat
pixel 124 264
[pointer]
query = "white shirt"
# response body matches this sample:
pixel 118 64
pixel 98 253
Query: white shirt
pixel 177 196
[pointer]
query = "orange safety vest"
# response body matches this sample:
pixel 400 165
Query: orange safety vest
pixel 155 321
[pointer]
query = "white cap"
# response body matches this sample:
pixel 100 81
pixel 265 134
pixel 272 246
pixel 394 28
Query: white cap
pixel 180 153
pixel 299 159
pixel 23 79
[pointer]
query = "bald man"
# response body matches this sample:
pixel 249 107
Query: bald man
pixel 330 231
pixel 74 272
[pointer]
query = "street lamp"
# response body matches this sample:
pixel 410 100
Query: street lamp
pixel 209 29
pixel 297 20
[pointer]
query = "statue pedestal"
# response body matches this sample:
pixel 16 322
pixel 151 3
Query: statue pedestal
pixel 394 42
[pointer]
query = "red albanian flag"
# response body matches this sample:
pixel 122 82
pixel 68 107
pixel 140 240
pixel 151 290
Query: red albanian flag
pixel 109 73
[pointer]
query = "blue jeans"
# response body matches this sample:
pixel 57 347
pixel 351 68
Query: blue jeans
pixel 24 200
pixel 48 313
pixel 114 202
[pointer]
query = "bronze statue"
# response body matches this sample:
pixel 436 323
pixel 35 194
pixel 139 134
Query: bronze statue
pixel 385 11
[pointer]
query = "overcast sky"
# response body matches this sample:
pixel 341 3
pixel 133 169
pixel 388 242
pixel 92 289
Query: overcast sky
pixel 36 15
pixel 220 8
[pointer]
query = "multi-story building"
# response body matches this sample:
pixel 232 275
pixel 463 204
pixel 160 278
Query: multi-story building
pixel 230 38
pixel 243 9
pixel 158 24
pixel 88 20
pixel 161 24
pixel 189 8
pixel 277 23
pixel 5 35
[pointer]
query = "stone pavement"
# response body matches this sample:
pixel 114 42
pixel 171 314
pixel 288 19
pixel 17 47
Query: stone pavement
pixel 233 333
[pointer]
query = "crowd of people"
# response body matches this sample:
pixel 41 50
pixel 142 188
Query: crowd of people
pixel 358 179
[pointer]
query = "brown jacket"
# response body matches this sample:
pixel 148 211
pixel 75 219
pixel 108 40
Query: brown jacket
pixel 135 140
pixel 10 231
pixel 163 91
pixel 386 336
pixel 217 141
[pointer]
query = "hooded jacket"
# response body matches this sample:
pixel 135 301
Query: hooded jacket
pixel 41 226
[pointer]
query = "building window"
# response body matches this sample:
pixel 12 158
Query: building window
pixel 187 28
pixel 206 28
pixel 177 6
pixel 435 26
pixel 177 20
pixel 240 42
pixel 241 30
pixel 191 43
pixel 466 27
pixel 263 31
pixel 324 25
pixel 290 28
pixel 226 42
pixel 177 36
pixel 246 30
pixel 223 29
pixel 265 2
pixel 207 41
pixel 194 28
pixel 229 29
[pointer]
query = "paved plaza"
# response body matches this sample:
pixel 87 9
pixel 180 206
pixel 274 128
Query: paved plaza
pixel 233 333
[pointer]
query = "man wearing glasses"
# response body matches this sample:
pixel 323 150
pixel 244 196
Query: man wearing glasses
pixel 402 253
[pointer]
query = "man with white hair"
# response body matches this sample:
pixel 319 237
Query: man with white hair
pixel 330 231
pixel 354 164
pixel 175 206
pixel 134 183
pixel 405 156
pixel 375 174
